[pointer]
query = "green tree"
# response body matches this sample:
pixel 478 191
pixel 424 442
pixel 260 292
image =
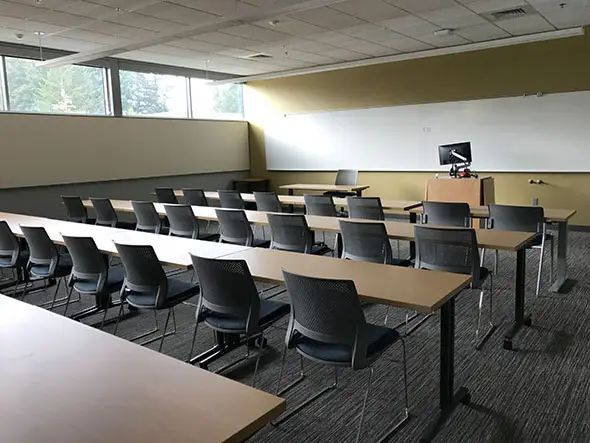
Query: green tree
pixel 228 99
pixel 140 94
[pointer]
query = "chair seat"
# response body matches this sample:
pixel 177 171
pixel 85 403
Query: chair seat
pixel 6 260
pixel 63 268
pixel 261 243
pixel 378 339
pixel 113 283
pixel 178 291
pixel 270 310
pixel 484 273
pixel 126 225
pixel 538 240
pixel 208 236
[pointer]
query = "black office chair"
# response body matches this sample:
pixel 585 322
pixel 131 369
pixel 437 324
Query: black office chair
pixel 75 209
pixel 166 195
pixel 327 325
pixel 525 219
pixel 235 228
pixel 320 205
pixel 106 214
pixel 290 232
pixel 92 276
pixel 267 202
pixel 148 219
pixel 195 197
pixel 183 223
pixel 348 177
pixel 230 199
pixel 446 214
pixel 365 241
pixel 230 304
pixel 45 261
pixel 14 256
pixel 146 286
pixel 455 250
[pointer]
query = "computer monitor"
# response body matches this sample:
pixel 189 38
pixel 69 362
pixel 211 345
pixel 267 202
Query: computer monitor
pixel 463 149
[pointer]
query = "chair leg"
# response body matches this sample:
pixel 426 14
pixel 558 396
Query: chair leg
pixel 104 317
pixel 496 262
pixel 55 294
pixel 398 250
pixel 492 327
pixel 540 271
pixel 190 355
pixel 551 240
pixel 68 302
pixel 483 257
pixel 119 318
pixel 165 327
pixel 259 352
pixel 367 389
pixel 157 328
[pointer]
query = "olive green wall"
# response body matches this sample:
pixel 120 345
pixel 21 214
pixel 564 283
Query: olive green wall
pixel 551 66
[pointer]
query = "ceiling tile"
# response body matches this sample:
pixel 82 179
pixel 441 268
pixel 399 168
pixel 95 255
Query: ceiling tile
pixel 29 26
pixel 58 42
pixel 569 17
pixel 344 54
pixel 81 34
pixel 219 7
pixel 237 52
pixel 409 26
pixel 415 6
pixel 190 43
pixel 256 33
pixel 525 25
pixel 19 10
pixel 455 17
pixel 119 30
pixel 442 41
pixel 480 33
pixel 544 6
pixel 221 38
pixel 63 19
pixel 373 49
pixel 371 33
pixel 406 44
pixel 86 9
pixel 145 22
pixel 312 58
pixel 482 6
pixel 327 18
pixel 310 46
pixel 176 13
pixel 288 25
pixel 370 10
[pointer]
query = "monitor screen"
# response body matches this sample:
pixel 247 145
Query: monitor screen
pixel 463 149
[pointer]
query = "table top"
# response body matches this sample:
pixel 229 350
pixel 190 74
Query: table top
pixel 410 288
pixel 250 180
pixel 324 187
pixel 490 239
pixel 173 251
pixel 551 215
pixel 62 381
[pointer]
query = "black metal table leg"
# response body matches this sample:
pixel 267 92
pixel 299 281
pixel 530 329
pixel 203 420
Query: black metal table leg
pixel 291 207
pixel 520 318
pixel 413 220
pixel 449 399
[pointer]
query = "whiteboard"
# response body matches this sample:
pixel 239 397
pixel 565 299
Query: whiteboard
pixel 522 134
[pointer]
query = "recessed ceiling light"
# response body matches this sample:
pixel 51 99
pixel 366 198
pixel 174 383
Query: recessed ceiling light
pixel 274 22
pixel 39 33
pixel 444 32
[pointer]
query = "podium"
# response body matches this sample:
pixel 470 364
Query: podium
pixel 474 191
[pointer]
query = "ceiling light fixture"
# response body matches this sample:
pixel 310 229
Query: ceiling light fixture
pixel 444 32
pixel 274 23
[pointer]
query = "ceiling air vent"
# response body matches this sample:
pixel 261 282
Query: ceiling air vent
pixel 259 56
pixel 506 14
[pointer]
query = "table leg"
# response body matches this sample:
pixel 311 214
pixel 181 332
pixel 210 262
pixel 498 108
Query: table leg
pixel 449 399
pixel 413 220
pixel 519 313
pixel 291 207
pixel 561 278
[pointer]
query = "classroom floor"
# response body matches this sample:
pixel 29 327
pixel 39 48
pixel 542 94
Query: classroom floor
pixel 537 393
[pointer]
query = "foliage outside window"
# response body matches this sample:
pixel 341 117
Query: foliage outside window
pixel 65 90
pixel 216 102
pixel 153 95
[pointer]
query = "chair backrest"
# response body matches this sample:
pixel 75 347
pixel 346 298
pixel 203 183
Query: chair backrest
pixel 183 222
pixel 105 213
pixel 447 249
pixel 147 217
pixel 446 214
pixel 9 244
pixel 227 287
pixel 234 227
pixel 41 248
pixel 320 205
pixel 516 218
pixel 365 242
pixel 327 311
pixel 289 232
pixel 195 197
pixel 369 208
pixel 166 195
pixel 267 201
pixel 346 177
pixel 75 209
pixel 230 199
pixel 143 272
pixel 88 263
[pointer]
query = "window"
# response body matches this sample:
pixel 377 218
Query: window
pixel 153 95
pixel 65 90
pixel 218 102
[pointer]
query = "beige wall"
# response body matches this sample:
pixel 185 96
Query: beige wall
pixel 50 149
pixel 551 66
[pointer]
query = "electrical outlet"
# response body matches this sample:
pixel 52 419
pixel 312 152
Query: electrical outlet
pixel 535 201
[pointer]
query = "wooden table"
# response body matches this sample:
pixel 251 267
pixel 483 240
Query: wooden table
pixel 560 217
pixel 62 381
pixel 297 200
pixel 421 290
pixel 172 251
pixel 358 189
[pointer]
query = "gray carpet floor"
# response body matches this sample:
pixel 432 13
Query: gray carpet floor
pixel 537 393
